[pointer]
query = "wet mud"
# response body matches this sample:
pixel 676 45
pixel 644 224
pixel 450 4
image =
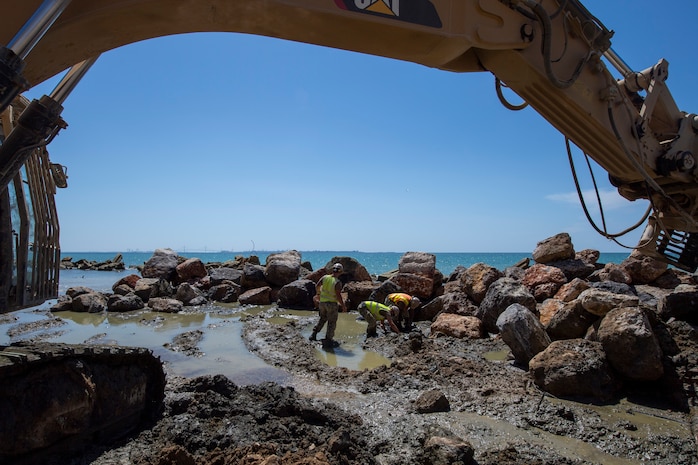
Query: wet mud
pixel 439 400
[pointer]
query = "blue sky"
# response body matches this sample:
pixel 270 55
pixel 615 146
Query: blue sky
pixel 217 141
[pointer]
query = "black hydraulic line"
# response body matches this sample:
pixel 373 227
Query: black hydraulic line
pixel 36 126
pixel 604 232
pixel 509 106
pixel 12 83
pixel 546 47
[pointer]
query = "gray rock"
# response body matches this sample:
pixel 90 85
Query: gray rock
pixel 253 276
pixel 681 304
pixel 432 401
pixel 282 268
pixel 165 305
pixel 630 344
pixel 297 295
pixel 162 264
pixel 574 368
pixel 501 294
pixel 570 322
pixel 522 332
pixel 257 296
pixel 186 293
pixel 223 273
pixel 556 248
pixel 91 302
pixel 226 292
pixel 477 279
pixel 599 302
pixel 124 303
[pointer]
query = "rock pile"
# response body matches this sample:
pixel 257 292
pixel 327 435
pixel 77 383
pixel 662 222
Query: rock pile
pixel 114 264
pixel 583 329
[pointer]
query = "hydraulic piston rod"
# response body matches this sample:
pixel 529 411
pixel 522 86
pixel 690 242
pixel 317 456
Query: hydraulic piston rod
pixel 34 29
pixel 12 83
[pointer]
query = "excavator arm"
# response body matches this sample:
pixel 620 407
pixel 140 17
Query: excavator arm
pixel 554 54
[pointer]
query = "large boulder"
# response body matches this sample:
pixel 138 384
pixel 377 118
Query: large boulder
pixel 599 302
pixel 165 305
pixel 548 308
pixel 501 294
pixel 681 304
pixel 129 281
pixel 477 279
pixel 456 302
pixel 574 368
pixel 571 290
pixel 415 285
pixel 384 290
pixel 357 292
pixel 574 268
pixel 191 269
pixel 148 288
pixel 556 248
pixel 643 269
pixel 522 332
pixel 611 272
pixel 282 268
pixel 226 292
pixel 189 295
pixel 432 401
pixel 457 326
pixel 124 303
pixel 257 296
pixel 446 450
pixel 162 264
pixel 297 295
pixel 420 263
pixel 543 280
pixel 631 345
pixel 352 270
pixel 90 302
pixel 253 276
pixel 417 275
pixel 222 274
pixel 570 322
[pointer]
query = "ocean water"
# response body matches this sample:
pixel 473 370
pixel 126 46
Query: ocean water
pixel 374 262
pixel 222 348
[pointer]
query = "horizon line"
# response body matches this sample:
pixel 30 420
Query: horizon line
pixel 301 251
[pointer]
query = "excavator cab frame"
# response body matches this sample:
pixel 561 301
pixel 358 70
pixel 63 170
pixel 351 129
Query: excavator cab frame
pixel 29 228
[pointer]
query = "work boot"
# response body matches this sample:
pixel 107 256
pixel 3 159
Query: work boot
pixel 329 344
pixel 313 337
pixel 373 333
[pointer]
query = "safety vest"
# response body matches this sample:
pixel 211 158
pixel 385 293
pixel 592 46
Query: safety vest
pixel 375 308
pixel 399 297
pixel 327 289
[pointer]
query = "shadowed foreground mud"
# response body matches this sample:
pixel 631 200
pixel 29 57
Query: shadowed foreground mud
pixel 441 401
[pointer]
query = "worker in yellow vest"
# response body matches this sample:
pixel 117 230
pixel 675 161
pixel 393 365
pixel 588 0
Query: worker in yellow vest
pixel 329 293
pixel 374 312
pixel 406 304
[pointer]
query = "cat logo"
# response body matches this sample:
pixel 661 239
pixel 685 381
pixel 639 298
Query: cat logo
pixel 412 11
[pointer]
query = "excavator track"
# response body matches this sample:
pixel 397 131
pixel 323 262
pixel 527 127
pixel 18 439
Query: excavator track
pixel 57 398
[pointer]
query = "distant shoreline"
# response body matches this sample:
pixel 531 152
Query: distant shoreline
pixel 375 262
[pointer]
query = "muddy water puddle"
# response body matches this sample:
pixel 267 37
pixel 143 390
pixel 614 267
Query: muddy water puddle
pixel 217 345
pixel 497 355
pixel 483 432
pixel 350 333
